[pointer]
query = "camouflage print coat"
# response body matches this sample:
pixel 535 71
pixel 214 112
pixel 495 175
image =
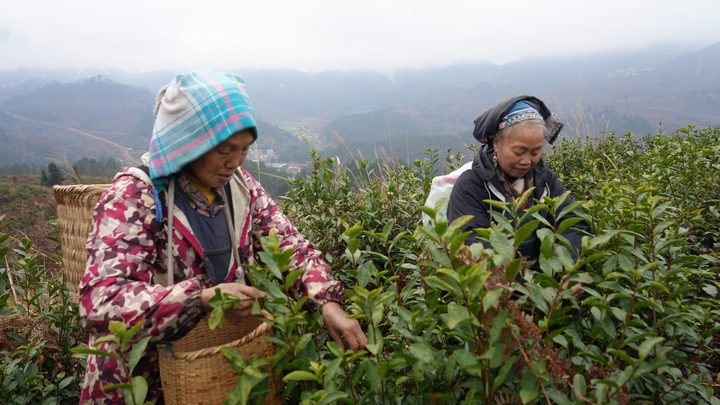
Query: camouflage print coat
pixel 126 280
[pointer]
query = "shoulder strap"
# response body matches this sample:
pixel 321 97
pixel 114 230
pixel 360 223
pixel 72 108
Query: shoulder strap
pixel 159 197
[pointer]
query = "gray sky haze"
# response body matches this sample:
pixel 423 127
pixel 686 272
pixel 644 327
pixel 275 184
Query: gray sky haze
pixel 316 35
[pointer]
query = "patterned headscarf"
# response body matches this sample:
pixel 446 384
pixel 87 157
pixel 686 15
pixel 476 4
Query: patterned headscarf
pixel 196 112
pixel 519 112
pixel 489 123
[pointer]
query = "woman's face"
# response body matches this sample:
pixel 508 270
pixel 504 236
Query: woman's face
pixel 215 168
pixel 520 150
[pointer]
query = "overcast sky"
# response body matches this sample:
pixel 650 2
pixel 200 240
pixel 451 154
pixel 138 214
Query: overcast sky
pixel 310 35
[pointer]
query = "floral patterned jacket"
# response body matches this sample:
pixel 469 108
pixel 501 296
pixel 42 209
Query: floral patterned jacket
pixel 125 277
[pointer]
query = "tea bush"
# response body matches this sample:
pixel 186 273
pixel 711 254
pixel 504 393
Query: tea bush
pixel 448 324
pixel 38 326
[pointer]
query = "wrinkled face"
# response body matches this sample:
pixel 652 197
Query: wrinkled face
pixel 215 168
pixel 520 150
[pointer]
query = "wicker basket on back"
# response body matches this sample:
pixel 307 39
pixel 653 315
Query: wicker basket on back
pixel 196 372
pixel 75 205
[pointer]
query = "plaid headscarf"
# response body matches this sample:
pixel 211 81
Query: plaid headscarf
pixel 196 112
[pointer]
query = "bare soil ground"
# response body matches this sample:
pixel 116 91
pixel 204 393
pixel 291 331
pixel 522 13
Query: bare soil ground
pixel 28 208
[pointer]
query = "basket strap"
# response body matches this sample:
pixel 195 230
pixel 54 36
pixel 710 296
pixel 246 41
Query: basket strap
pixel 233 238
pixel 171 215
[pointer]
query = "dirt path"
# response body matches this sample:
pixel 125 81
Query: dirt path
pixel 125 151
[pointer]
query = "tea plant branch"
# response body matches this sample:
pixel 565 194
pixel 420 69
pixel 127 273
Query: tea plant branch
pixel 530 367
pixel 12 286
pixel 632 310
pixel 653 257
pixel 33 248
pixel 615 166
pixel 347 379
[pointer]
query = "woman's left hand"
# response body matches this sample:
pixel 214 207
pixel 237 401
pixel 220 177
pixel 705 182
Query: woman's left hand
pixel 576 290
pixel 246 293
pixel 340 326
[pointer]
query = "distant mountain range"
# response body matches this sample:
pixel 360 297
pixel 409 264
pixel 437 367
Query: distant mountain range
pixel 80 113
pixel 92 117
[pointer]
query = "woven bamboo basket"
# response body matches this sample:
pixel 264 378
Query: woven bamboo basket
pixel 75 205
pixel 197 373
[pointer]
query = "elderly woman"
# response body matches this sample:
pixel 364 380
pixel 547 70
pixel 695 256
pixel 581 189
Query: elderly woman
pixel 165 238
pixel 510 163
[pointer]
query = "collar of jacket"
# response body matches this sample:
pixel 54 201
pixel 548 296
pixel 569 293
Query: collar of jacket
pixel 485 170
pixel 240 194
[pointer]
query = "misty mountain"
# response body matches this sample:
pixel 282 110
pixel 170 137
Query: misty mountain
pixel 93 118
pixel 619 91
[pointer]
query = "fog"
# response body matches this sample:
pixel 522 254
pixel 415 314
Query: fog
pixel 336 35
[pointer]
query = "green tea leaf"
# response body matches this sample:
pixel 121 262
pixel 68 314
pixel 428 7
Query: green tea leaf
pixel 502 244
pixel 567 223
pixel 422 352
pixel 300 375
pixel 440 284
pixel 647 346
pixel 372 375
pixel 528 394
pixel 512 268
pixel 366 271
pixel 525 231
pixel 140 389
pixel 502 374
pixel 579 383
pixel 137 353
pixel 291 277
pixel 269 261
pixel 497 326
pixel 456 314
pixel 490 298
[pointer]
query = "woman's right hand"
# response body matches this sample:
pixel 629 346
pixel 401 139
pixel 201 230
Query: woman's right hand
pixel 246 294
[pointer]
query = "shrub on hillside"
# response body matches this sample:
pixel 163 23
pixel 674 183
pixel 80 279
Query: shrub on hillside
pixel 38 326
pixel 448 324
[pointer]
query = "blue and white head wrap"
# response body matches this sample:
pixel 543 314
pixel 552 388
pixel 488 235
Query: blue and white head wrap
pixel 520 112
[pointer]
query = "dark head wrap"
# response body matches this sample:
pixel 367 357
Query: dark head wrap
pixel 488 124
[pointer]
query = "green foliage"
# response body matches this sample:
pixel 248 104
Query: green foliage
pixel 682 167
pixel 135 390
pixel 53 176
pixel 38 326
pixel 448 323
pixel 102 167
pixel 252 384
pixel 221 302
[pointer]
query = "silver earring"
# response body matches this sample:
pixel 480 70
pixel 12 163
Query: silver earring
pixel 494 159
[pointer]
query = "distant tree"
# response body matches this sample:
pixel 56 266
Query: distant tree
pixel 44 178
pixel 55 175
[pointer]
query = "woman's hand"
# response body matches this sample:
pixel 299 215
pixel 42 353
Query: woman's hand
pixel 246 294
pixel 340 326
pixel 576 290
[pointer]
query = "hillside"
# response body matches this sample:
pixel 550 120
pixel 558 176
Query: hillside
pixel 617 91
pixel 684 90
pixel 28 209
pixel 94 118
